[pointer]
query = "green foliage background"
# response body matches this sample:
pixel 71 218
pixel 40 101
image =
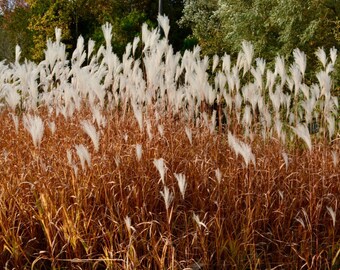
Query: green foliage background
pixel 218 26
pixel 274 27
pixel 30 23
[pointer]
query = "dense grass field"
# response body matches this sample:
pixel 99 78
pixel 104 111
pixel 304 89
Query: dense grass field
pixel 167 161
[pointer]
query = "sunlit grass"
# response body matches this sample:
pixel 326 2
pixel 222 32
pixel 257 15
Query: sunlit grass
pixel 267 216
pixel 161 163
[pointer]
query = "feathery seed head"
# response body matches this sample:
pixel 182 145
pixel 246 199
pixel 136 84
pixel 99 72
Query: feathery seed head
pixel 135 44
pixel 261 65
pixel 321 55
pixel 296 77
pixel 69 157
pixel 107 31
pixel 215 62
pixel 331 125
pixel 301 60
pixel 241 148
pixel 129 227
pixel 90 48
pixel 167 196
pixel 52 127
pixel 139 151
pixel 218 175
pixel 90 130
pixel 280 68
pixel 332 213
pixel 199 222
pixel 35 126
pixel 83 155
pixel 160 166
pixel 163 21
pixel 138 115
pixel 248 50
pixel 302 132
pixel 325 83
pixel 226 63
pixel 333 54
pixel 181 183
pixel 12 98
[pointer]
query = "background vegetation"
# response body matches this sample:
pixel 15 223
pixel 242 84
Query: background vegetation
pixel 160 160
pixel 274 27
pixel 218 26
pixel 29 23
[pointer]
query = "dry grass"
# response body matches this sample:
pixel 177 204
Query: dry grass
pixel 254 218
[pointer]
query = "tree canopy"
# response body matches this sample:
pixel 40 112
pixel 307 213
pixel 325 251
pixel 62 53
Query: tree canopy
pixel 218 26
pixel 30 23
pixel 273 26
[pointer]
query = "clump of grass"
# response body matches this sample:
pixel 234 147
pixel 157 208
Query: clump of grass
pixel 35 127
pixel 52 217
pixel 180 197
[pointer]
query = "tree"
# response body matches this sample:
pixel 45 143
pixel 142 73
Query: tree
pixel 202 17
pixel 45 16
pixel 30 23
pixel 14 22
pixel 278 27
pixel 273 26
pixel 85 17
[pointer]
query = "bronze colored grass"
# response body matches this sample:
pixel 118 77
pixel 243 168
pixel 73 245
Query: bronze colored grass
pixel 263 217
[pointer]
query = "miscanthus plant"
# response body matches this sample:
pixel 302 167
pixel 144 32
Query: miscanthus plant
pixel 243 92
pixel 165 160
